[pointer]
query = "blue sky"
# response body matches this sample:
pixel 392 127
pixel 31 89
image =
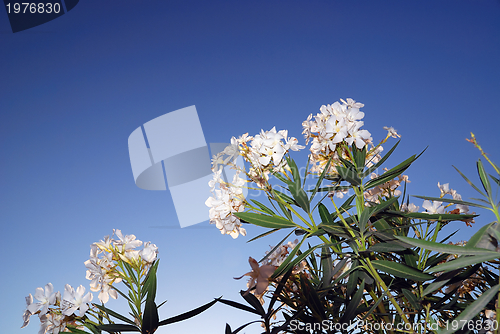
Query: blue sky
pixel 72 90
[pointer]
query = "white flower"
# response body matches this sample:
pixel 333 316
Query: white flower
pixel 444 188
pixel 433 208
pixel 259 276
pixel 392 132
pixel 409 208
pixel 126 242
pixel 357 136
pixel 45 298
pixel 74 300
pixel 149 252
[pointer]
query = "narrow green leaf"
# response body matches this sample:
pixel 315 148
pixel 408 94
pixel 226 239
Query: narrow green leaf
pixel 150 320
pixel 359 157
pixel 401 270
pixel 469 182
pixel 112 328
pixel 284 197
pixel 289 258
pixel 429 216
pixel 412 299
pixel 295 171
pixel 484 178
pixel 238 306
pixel 350 311
pixel 497 181
pixel 386 247
pixel 264 234
pixel 114 314
pixel 472 310
pixel 300 197
pixel 188 314
pixel 463 261
pixel 326 217
pixel 263 207
pixel 281 178
pixel 444 248
pixel 478 239
pixel 75 330
pixel 253 301
pixel 348 175
pixel 264 220
pixel 381 161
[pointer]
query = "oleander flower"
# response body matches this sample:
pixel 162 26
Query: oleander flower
pixel 27 314
pixel 52 323
pixel 149 252
pixel 74 300
pixel 45 298
pixel 433 207
pixel 259 276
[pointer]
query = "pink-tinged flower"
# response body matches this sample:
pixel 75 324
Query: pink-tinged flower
pixel 27 314
pixel 52 323
pixel 259 276
pixel 45 298
pixel 74 300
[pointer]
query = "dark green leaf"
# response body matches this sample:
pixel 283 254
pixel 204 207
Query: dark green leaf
pixel 446 200
pixel 188 314
pixel 253 301
pixel 150 320
pixel 411 299
pixel 473 309
pixel 351 309
pixel 484 178
pixel 326 217
pixel 381 161
pixel 112 328
pixel 264 220
pixel 348 175
pixel 239 306
pixel 463 262
pixel 114 314
pixel 264 234
pixel 401 270
pixel 444 248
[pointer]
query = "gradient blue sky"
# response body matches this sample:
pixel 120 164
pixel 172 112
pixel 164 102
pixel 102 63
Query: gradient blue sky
pixel 72 91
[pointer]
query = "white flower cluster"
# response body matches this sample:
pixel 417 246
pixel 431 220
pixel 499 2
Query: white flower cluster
pixel 336 123
pixel 55 313
pixel 226 201
pixel 101 267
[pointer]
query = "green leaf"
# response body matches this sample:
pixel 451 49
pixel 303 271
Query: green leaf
pixel 386 247
pixel 428 216
pixel 263 207
pixel 497 181
pixel 75 330
pixel 482 239
pixel 281 178
pixel 284 197
pixel 238 305
pixel 150 320
pixel 411 299
pixel 285 263
pixel 263 234
pixel 463 261
pixel 472 310
pixel 469 182
pixel 381 161
pixel 114 314
pixel 359 157
pixel 391 173
pixel 300 197
pixel 350 311
pixel 348 175
pixel 295 171
pixel 188 314
pixel 264 220
pixel 444 248
pixel 253 301
pixel 326 217
pixel 484 178
pixel 401 270
pixel 112 328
